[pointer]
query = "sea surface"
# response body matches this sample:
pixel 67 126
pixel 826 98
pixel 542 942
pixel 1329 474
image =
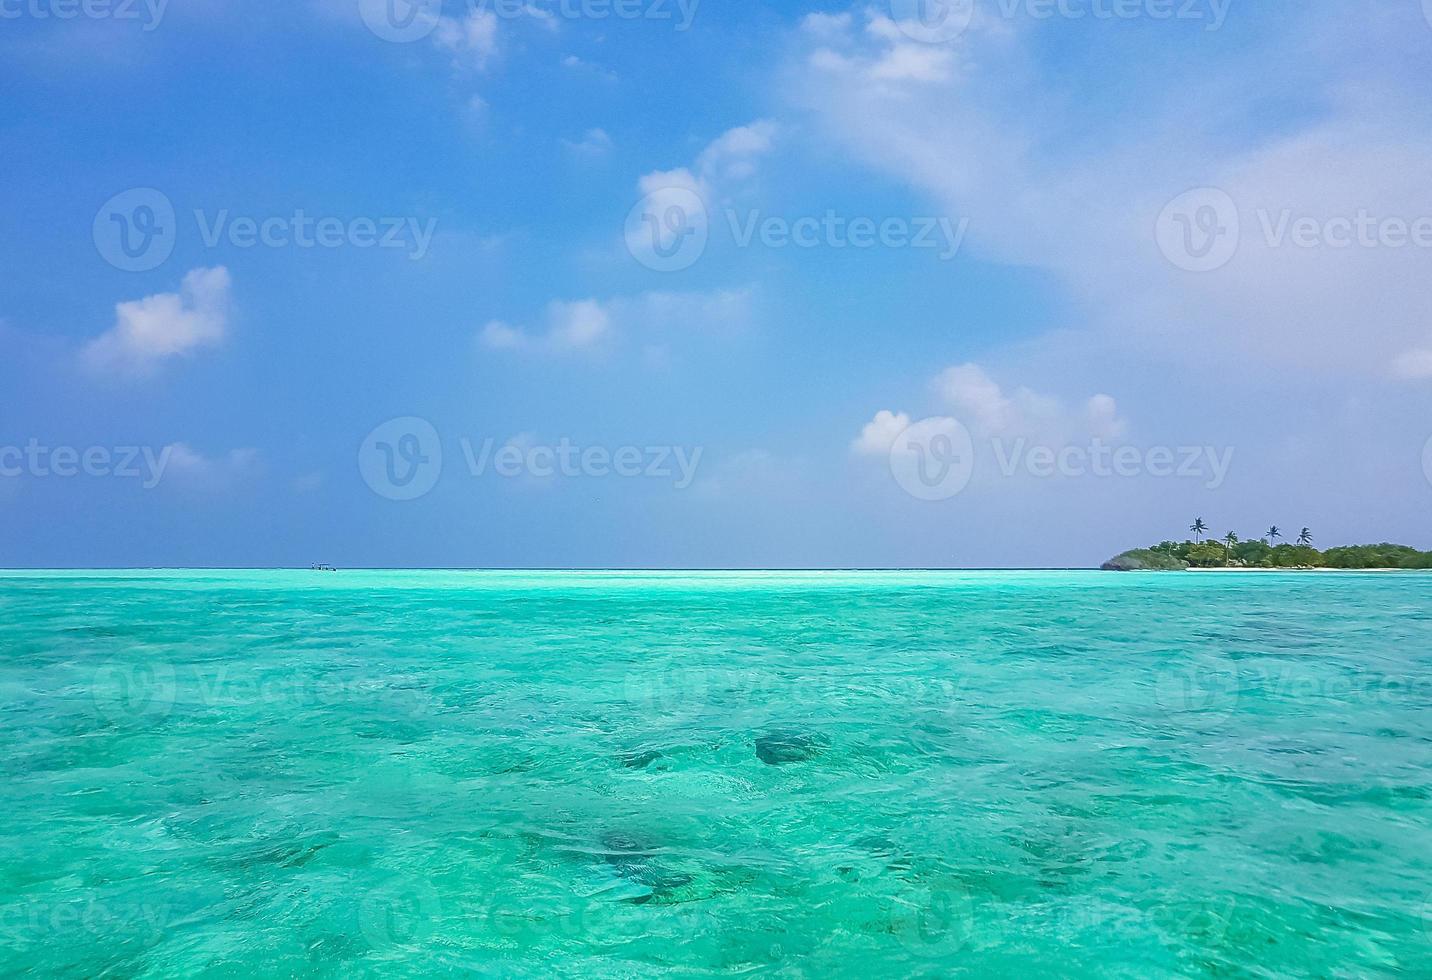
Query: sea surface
pixel 791 774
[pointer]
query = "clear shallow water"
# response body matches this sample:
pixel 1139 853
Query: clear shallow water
pixel 790 774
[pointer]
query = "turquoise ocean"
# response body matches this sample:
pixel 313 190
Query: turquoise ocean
pixel 791 774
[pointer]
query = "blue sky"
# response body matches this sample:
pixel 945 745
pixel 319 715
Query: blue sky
pixel 1052 159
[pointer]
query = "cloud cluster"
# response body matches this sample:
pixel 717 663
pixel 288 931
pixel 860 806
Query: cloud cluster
pixel 166 326
pixel 184 462
pixel 594 143
pixel 593 324
pixel 981 126
pixel 472 40
pixel 987 409
pixel 676 203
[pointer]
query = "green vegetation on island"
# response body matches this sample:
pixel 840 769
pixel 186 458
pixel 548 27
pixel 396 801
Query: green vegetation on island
pixel 1231 551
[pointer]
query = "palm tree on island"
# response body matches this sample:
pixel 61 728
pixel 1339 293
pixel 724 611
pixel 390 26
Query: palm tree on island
pixel 1259 553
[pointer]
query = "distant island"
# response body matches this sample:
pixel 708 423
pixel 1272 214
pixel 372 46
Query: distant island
pixel 1264 552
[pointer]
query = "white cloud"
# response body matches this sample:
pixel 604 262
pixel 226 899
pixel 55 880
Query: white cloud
pixel 826 26
pixel 884 54
pixel 974 133
pixel 1102 415
pixel 754 474
pixel 880 433
pixel 594 143
pixel 977 401
pixel 673 206
pixel 472 41
pixel 501 336
pixel 164 326
pixel 1413 365
pixel 183 463
pixel 733 155
pixel 913 63
pixel 591 323
pixel 676 203
pixel 987 408
pixel 972 393
pixel 546 18
pixel 308 482
pixel 573 63
pixel 713 311
pixel 578 325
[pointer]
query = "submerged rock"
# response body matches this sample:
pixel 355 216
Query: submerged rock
pixel 641 874
pixel 640 760
pixel 781 747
